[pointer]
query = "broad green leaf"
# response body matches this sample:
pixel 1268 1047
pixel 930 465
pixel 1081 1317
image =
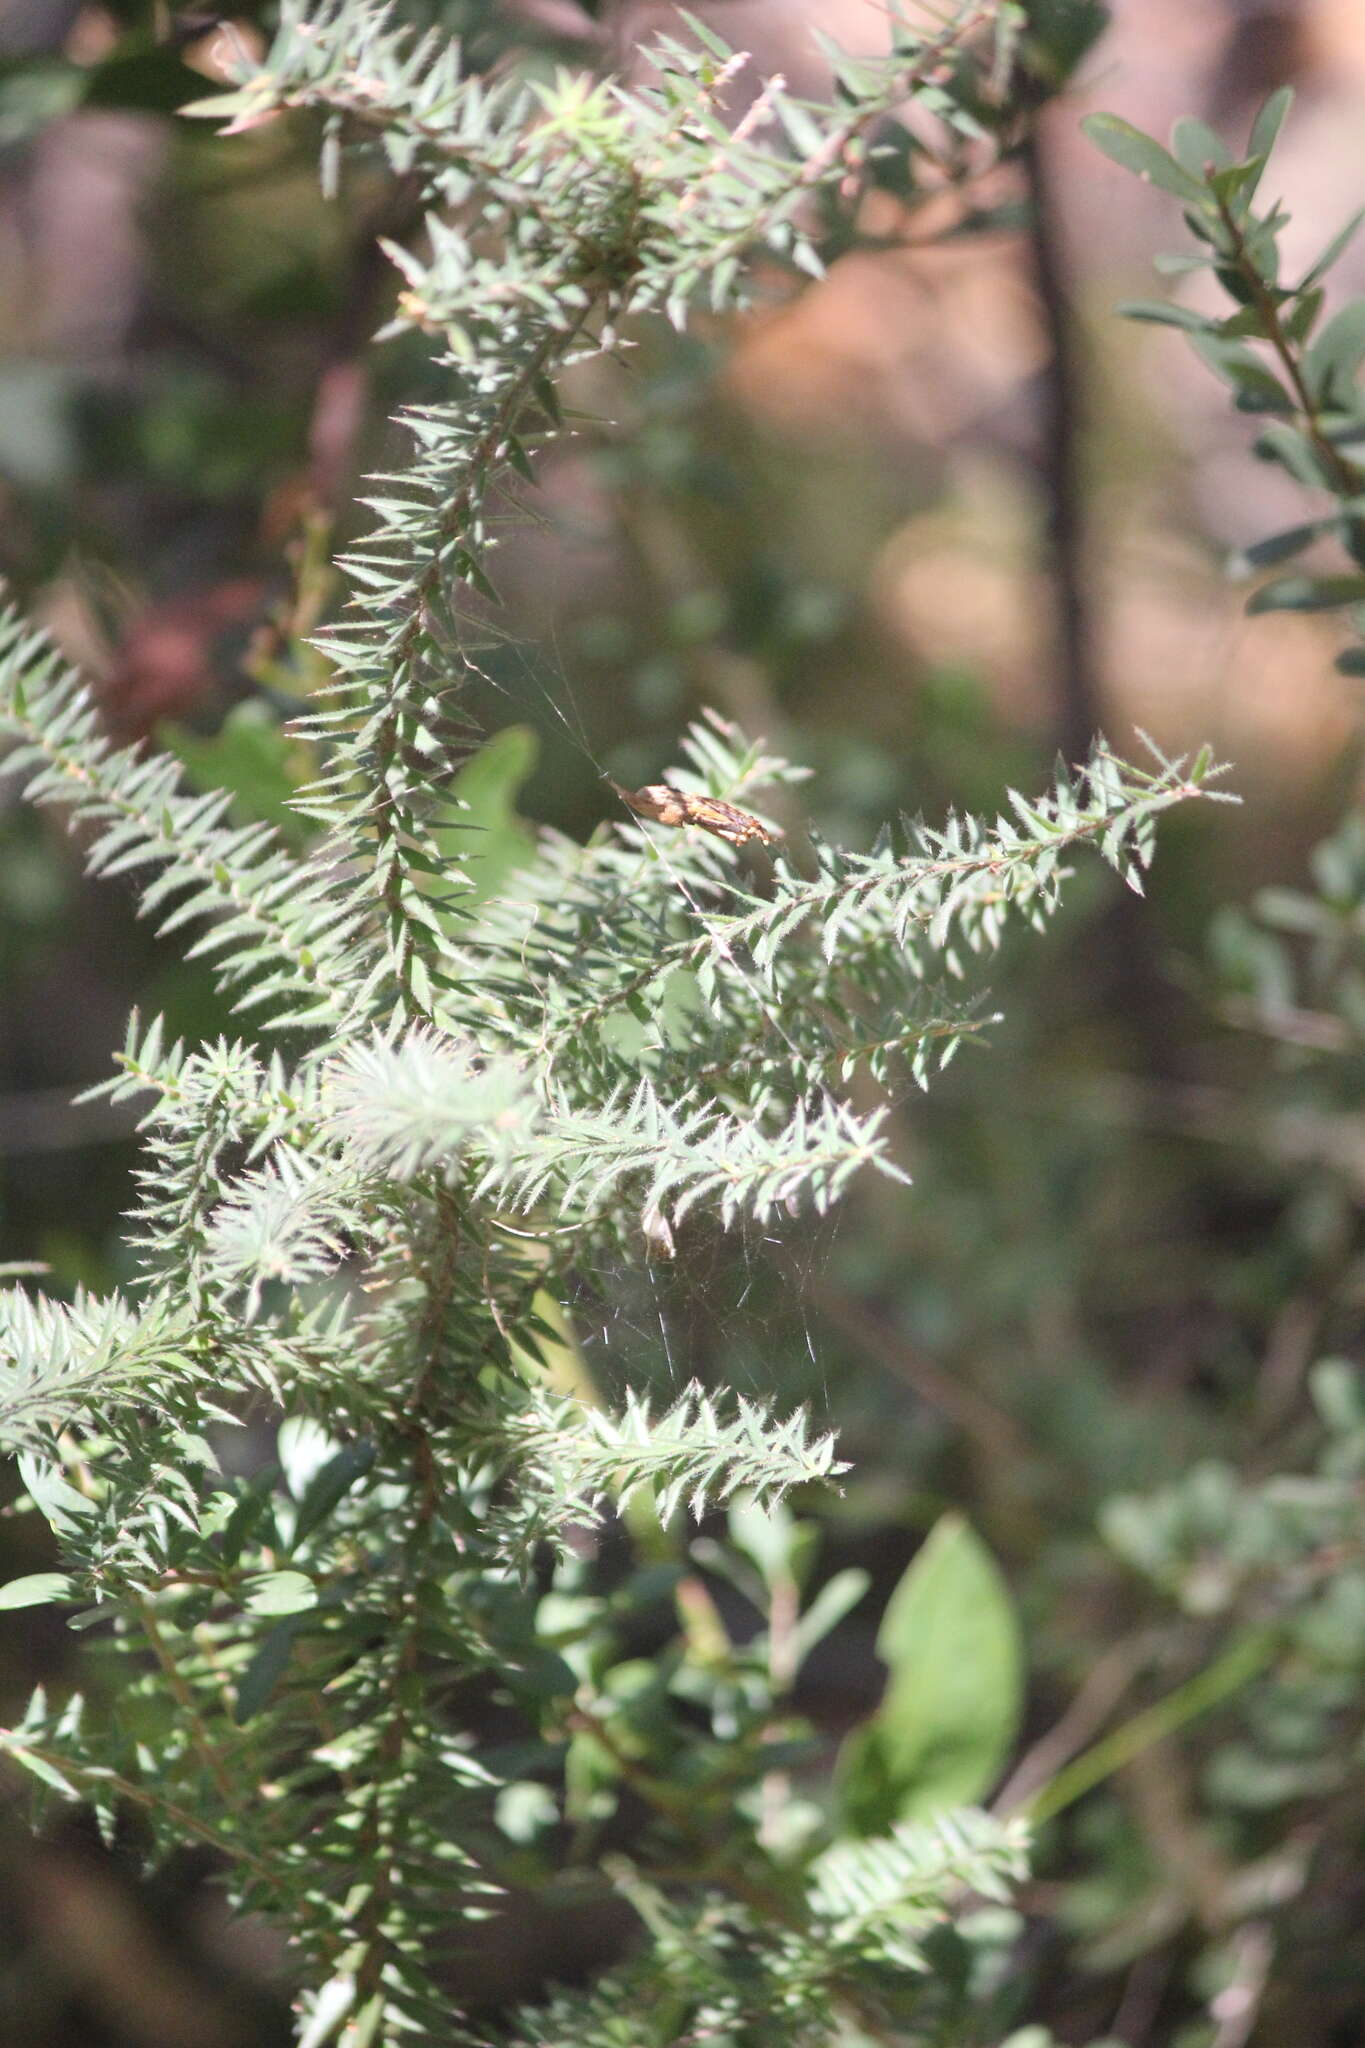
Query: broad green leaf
pixel 1279 547
pixel 953 1698
pixel 1307 594
pixel 1196 145
pixel 330 1484
pixel 1246 325
pixel 1258 389
pixel 1330 363
pixel 1128 146
pixel 281 1593
pixel 481 825
pixel 1293 451
pixel 39 1589
pixel 1266 127
pixel 265 1670
pixel 771 1537
pixel 1233 186
pixel 1302 315
pixel 1163 314
pixel 252 756
pixel 57 1501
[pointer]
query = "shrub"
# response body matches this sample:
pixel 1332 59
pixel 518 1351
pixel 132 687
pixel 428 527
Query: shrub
pixel 377 1673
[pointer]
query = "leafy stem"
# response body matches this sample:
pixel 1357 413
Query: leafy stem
pixel 1266 302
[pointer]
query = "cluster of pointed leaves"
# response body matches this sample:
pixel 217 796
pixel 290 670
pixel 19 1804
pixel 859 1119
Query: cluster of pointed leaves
pixel 609 1457
pixel 327 1225
pixel 770 987
pixel 277 930
pixel 724 1971
pixel 1275 347
pixel 459 1107
pixel 1296 971
pixel 58 1359
pixel 557 211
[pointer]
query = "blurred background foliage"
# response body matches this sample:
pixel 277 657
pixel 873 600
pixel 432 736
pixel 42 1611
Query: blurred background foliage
pixel 921 528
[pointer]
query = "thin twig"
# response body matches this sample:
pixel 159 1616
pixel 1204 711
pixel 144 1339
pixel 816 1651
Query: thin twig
pixel 1060 462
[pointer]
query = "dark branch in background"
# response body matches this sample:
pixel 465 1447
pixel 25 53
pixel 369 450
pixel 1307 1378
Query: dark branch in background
pixel 1055 38
pixel 1061 405
pixel 1136 984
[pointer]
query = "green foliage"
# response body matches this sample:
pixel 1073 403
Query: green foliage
pixel 951 1709
pixel 481 1093
pixel 867 1909
pixel 1246 1565
pixel 1299 367
pixel 272 921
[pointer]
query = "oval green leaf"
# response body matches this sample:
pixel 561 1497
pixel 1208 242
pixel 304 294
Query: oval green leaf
pixel 954 1695
pixel 1127 146
pixel 37 1590
pixel 1307 594
pixel 1331 362
pixel 281 1593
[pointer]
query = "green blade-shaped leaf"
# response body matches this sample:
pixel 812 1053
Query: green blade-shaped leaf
pixel 1269 121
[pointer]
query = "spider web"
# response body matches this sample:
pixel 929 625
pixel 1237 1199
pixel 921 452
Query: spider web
pixel 732 1308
